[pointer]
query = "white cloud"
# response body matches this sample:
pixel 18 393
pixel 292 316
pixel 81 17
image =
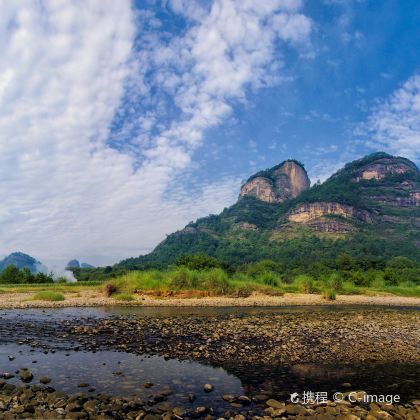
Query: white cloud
pixel 69 68
pixel 394 124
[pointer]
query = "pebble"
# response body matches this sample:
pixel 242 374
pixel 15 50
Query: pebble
pixel 208 387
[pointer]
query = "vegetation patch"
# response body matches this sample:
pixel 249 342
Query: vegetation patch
pixel 124 297
pixel 49 296
pixel 329 294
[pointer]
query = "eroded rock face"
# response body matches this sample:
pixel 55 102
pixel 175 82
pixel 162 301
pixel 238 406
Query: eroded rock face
pixel 281 183
pixel 307 213
pixel 383 167
pixel 412 200
pixel 261 188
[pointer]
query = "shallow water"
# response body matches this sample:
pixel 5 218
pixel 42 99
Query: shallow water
pixel 118 373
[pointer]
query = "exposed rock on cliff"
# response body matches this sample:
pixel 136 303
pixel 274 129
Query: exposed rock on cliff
pixel 382 167
pixel 310 211
pixel 275 185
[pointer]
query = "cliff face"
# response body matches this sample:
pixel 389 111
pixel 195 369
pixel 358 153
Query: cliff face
pixel 277 184
pixel 382 167
pixel 309 211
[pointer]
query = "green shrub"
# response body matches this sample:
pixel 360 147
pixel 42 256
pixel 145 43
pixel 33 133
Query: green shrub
pixel 391 277
pixel 268 278
pixel 262 267
pixel 124 297
pixel 201 262
pixel 183 278
pixel 335 281
pixel 48 296
pixel 401 262
pixel 329 294
pixel 215 281
pixel 305 283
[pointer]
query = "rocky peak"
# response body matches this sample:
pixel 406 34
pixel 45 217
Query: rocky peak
pixel 379 165
pixel 280 183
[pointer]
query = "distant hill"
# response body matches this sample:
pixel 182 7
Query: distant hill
pixel 77 264
pixel 369 209
pixel 21 260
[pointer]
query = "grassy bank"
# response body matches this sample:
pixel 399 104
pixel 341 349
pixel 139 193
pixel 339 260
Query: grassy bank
pixel 190 283
pixel 216 282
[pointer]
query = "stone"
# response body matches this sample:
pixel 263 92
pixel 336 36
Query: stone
pixel 25 375
pixel 90 406
pixel 274 403
pixel 208 388
pixel 243 399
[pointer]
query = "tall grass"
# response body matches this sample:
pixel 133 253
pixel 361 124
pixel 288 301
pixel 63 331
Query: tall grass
pixel 48 296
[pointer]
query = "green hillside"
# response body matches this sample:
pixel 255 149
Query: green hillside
pixel 370 210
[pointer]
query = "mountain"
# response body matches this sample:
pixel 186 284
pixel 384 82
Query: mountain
pixel 77 264
pixel 369 209
pixel 73 264
pixel 21 260
pixel 86 265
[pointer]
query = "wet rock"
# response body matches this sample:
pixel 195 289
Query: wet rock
pixel 208 388
pixel 274 403
pixel 90 406
pixel 25 375
pixel 243 399
pixel 45 380
pixel 74 406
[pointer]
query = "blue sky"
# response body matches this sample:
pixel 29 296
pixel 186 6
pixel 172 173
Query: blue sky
pixel 122 121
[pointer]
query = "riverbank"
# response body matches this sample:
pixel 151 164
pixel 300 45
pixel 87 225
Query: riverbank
pixel 94 297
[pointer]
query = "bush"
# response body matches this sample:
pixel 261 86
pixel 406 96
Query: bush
pixel 401 262
pixel 124 297
pixel 361 278
pixel 201 262
pixel 329 294
pixel 335 281
pixel 183 278
pixel 48 296
pixel 109 289
pixel 268 278
pixel 305 283
pixel 215 281
pixel 262 267
pixel 391 277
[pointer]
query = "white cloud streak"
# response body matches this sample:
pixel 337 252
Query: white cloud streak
pixel 69 69
pixel 394 124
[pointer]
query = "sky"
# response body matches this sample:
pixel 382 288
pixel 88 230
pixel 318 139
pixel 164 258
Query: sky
pixel 122 121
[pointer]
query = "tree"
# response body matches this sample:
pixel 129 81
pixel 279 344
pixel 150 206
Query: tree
pixel 11 274
pixel 401 262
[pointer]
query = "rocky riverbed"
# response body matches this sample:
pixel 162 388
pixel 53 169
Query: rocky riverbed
pixel 46 403
pixel 273 354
